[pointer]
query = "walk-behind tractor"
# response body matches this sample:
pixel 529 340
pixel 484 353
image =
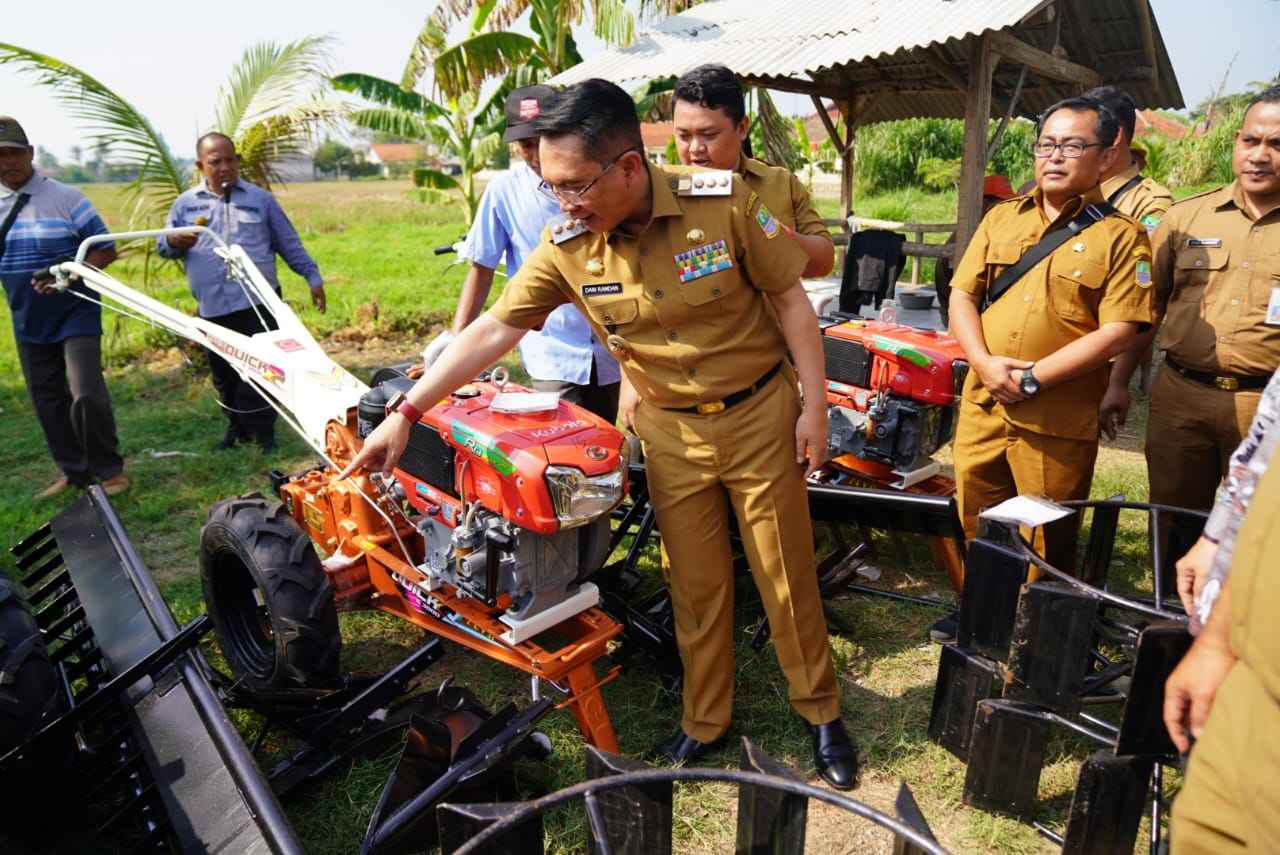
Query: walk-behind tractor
pixel 484 535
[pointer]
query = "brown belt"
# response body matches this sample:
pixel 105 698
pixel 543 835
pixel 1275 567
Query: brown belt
pixel 1226 382
pixel 707 408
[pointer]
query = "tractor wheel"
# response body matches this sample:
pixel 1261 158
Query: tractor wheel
pixel 270 601
pixel 28 682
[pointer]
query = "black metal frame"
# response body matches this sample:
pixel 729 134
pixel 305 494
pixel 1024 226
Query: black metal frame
pixel 629 810
pixel 1028 658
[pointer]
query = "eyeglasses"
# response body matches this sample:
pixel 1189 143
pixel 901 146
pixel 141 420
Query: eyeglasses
pixel 573 197
pixel 1069 149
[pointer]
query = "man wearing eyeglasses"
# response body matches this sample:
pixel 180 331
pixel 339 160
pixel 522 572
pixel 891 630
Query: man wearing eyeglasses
pixel 671 266
pixel 563 356
pixel 1038 351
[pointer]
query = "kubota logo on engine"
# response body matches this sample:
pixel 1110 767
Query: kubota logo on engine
pixel 257 365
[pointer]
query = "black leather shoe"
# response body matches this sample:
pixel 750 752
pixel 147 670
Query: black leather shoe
pixel 227 442
pixel 835 755
pixel 680 748
pixel 266 443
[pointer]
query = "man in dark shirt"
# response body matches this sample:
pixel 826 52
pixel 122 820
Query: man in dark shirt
pixel 58 335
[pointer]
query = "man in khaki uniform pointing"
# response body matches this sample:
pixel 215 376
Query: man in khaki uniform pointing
pixel 671 266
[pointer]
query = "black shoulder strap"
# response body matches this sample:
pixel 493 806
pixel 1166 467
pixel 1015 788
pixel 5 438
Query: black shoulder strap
pixel 1124 188
pixel 1051 241
pixel 18 203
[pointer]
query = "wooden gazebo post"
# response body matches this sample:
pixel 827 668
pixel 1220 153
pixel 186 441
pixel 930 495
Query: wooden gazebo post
pixel 973 161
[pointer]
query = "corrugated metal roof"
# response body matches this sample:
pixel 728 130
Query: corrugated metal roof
pixel 793 38
pixel 873 46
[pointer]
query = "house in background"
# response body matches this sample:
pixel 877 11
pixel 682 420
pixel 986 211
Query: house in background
pixel 396 160
pixel 656 135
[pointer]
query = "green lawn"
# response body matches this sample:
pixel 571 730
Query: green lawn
pixel 387 291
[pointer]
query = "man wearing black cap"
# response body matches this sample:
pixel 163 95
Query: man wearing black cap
pixel 563 356
pixel 58 335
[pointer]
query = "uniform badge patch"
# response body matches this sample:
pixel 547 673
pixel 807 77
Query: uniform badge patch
pixel 602 289
pixel 703 261
pixel 1143 269
pixel 767 223
pixel 1150 221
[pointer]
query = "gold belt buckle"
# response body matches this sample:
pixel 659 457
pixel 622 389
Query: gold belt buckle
pixel 710 408
pixel 1227 384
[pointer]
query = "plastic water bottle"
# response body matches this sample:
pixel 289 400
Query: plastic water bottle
pixel 889 311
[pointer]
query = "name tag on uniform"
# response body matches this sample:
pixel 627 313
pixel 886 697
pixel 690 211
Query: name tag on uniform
pixel 1203 242
pixel 1273 308
pixel 703 261
pixel 602 289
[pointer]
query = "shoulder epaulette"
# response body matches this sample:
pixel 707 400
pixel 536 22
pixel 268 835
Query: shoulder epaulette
pixel 1199 195
pixel 565 227
pixel 717 182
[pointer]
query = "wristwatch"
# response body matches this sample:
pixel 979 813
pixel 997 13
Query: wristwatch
pixel 1029 384
pixel 399 403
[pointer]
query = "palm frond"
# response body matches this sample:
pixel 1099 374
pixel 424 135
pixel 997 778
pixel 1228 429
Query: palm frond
pixel 431 40
pixel 388 94
pixel 399 123
pixel 654 100
pixel 506 14
pixel 484 150
pixel 465 66
pixel 112 122
pixel 613 22
pixel 268 78
pixel 656 10
pixel 776 131
pixel 287 134
pixel 434 179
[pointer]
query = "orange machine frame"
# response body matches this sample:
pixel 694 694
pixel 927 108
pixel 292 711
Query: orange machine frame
pixel 365 566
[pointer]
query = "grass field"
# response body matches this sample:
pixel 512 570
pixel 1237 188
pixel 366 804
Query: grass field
pixel 387 291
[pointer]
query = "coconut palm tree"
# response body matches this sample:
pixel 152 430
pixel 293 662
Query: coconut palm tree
pixel 271 105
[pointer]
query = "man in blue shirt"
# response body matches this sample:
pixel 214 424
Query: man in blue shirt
pixel 58 334
pixel 247 215
pixel 563 356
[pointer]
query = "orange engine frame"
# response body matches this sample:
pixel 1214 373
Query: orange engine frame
pixel 368 568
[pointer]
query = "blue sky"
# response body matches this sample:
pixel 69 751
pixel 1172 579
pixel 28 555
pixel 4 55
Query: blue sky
pixel 170 58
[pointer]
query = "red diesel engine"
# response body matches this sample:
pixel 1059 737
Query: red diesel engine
pixel 509 504
pixel 893 391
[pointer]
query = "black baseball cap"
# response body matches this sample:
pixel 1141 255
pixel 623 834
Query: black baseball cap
pixel 11 134
pixel 523 106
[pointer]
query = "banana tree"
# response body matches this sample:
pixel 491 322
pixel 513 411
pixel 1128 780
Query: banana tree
pixel 259 108
pixel 492 50
pixel 464 127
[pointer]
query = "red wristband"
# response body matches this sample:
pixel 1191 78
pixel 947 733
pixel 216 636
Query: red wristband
pixel 409 411
pixel 399 403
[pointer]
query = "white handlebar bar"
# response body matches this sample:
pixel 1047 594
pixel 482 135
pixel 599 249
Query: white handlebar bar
pixel 177 230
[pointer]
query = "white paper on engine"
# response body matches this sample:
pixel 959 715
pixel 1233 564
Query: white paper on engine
pixel 524 402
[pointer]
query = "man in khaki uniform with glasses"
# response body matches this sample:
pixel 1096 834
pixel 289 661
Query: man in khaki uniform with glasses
pixel 1028 419
pixel 1217 284
pixel 671 266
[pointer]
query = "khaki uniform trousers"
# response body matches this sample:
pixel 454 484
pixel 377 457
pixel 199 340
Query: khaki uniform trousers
pixel 1231 801
pixel 995 460
pixel 697 466
pixel 1192 431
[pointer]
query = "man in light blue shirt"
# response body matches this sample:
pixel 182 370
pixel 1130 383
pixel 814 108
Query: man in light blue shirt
pixel 563 356
pixel 247 215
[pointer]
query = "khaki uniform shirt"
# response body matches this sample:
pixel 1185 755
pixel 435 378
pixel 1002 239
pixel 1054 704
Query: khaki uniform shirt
pixel 682 304
pixel 784 194
pixel 1216 271
pixel 1101 276
pixel 1147 202
pixel 1255 596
